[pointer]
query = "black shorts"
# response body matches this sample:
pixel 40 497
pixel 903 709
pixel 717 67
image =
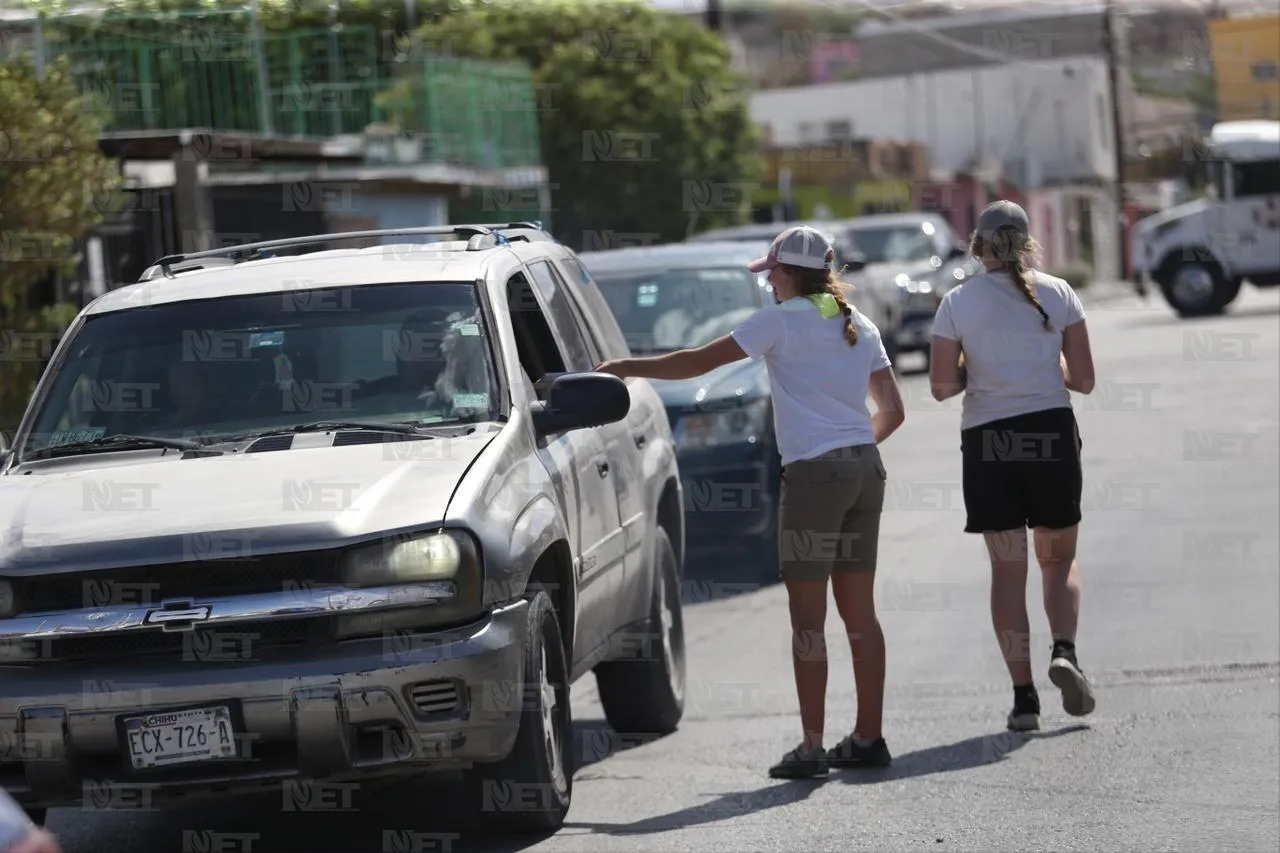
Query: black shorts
pixel 1023 472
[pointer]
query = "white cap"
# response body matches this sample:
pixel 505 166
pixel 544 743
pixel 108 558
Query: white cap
pixel 799 246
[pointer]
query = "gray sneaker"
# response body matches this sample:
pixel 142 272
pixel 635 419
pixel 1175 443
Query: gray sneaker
pixel 798 764
pixel 1067 676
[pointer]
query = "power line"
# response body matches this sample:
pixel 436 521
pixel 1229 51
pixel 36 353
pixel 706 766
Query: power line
pixel 960 46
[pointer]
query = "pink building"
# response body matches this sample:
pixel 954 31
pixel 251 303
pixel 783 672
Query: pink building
pixel 829 59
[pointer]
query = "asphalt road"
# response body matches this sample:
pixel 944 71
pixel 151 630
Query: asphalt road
pixel 1180 632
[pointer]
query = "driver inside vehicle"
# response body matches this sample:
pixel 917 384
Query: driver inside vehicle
pixel 440 361
pixel 418 357
pixel 464 381
pixel 191 389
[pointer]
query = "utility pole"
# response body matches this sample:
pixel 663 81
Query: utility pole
pixel 264 81
pixel 714 20
pixel 1113 48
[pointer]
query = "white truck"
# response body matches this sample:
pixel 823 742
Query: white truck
pixel 1200 253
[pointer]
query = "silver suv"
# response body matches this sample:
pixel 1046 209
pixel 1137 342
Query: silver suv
pixel 320 517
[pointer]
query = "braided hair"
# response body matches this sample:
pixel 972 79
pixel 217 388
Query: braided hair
pixel 1015 253
pixel 811 282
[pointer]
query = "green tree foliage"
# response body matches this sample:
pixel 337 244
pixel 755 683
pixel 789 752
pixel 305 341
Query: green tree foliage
pixel 644 126
pixel 55 180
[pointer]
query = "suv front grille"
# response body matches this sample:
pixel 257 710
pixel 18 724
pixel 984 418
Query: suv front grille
pixel 150 585
pixel 242 642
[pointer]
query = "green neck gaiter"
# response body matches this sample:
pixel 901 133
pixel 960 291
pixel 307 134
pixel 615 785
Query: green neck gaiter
pixel 826 305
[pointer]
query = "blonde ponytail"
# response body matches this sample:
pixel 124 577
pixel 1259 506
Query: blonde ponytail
pixel 1016 254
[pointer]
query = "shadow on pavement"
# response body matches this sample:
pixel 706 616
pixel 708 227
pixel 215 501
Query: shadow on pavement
pixel 723 807
pixel 717 575
pixel 595 740
pixel 961 755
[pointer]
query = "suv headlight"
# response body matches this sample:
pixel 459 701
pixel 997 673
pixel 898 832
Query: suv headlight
pixel 434 557
pixel 448 555
pixel 737 425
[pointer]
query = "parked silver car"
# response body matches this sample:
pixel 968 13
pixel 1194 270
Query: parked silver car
pixel 324 517
pixel 912 260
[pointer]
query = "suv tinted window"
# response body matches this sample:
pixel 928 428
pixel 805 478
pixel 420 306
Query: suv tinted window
pixel 600 317
pixel 578 354
pixel 536 344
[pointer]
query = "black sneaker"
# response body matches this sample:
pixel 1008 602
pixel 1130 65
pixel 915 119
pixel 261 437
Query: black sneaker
pixel 798 764
pixel 1067 676
pixel 1025 716
pixel 848 754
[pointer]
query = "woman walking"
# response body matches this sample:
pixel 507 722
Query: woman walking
pixel 824 358
pixel 1024 344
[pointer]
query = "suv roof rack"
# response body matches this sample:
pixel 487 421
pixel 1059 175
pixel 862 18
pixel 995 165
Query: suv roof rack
pixel 479 237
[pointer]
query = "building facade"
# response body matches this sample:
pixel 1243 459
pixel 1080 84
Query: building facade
pixel 1011 104
pixel 1046 121
pixel 1246 59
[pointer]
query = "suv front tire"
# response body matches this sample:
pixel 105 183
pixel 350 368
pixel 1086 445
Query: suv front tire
pixel 529 792
pixel 645 695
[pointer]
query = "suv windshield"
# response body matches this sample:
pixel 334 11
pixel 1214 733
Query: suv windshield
pixel 232 366
pixel 670 309
pixel 894 244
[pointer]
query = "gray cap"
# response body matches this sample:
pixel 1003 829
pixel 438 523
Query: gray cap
pixel 1003 215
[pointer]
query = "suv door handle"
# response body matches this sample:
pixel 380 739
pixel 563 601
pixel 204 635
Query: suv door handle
pixel 603 468
pixel 640 438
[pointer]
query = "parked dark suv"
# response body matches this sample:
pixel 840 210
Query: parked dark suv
pixel 333 516
pixel 684 295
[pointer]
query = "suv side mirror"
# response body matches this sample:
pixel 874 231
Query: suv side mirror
pixel 581 400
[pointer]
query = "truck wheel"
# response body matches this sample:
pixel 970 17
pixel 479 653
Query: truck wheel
pixel 530 790
pixel 645 695
pixel 1198 289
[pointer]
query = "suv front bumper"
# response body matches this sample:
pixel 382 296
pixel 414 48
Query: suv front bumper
pixel 424 701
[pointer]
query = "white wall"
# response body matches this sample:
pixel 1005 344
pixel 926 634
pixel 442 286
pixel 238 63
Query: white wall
pixel 1055 225
pixel 1059 123
pixel 401 211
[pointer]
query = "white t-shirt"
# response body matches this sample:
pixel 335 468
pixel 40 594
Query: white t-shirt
pixel 819 382
pixel 1012 362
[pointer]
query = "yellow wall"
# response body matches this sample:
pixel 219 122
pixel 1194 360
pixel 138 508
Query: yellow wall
pixel 1242 48
pixel 844 204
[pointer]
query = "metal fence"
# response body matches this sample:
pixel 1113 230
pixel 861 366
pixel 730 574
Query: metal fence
pixel 214 71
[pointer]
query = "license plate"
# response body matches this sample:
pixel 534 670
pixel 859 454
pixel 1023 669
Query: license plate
pixel 180 737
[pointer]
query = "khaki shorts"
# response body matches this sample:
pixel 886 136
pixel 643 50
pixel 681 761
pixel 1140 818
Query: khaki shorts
pixel 829 513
